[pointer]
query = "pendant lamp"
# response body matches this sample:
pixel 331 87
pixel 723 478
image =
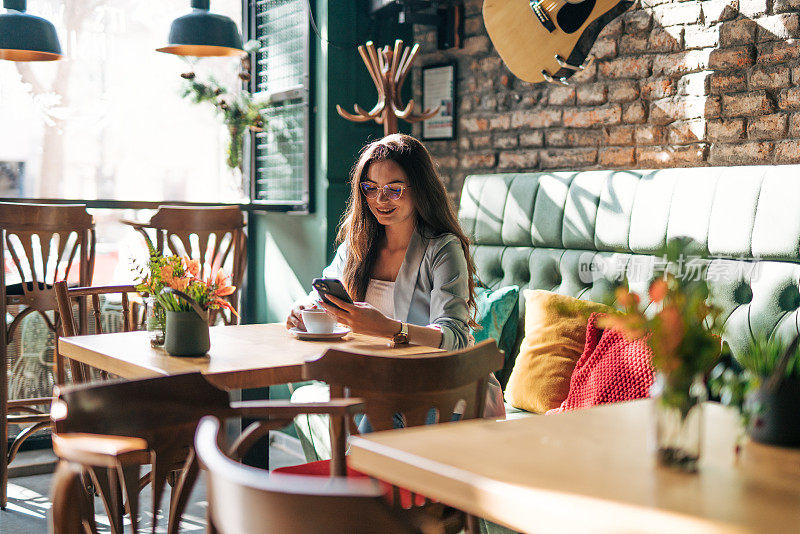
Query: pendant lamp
pixel 203 34
pixel 25 37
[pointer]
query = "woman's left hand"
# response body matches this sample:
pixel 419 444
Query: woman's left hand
pixel 362 318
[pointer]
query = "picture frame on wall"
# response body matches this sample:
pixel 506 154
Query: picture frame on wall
pixel 439 90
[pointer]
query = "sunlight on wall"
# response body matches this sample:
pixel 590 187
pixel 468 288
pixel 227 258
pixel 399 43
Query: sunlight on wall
pixel 280 280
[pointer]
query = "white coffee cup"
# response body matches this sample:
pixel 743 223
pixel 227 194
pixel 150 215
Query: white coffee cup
pixel 318 321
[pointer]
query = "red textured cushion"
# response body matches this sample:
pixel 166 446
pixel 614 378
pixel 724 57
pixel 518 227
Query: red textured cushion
pixel 611 369
pixel 322 469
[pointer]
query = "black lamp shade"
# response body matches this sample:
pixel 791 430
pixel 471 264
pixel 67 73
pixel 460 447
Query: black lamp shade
pixel 203 34
pixel 24 37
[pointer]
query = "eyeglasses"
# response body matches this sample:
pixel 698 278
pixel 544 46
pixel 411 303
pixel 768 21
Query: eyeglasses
pixel 390 191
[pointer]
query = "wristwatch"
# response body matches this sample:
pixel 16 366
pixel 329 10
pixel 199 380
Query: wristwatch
pixel 401 338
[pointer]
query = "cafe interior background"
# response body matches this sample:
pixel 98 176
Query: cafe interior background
pixel 672 84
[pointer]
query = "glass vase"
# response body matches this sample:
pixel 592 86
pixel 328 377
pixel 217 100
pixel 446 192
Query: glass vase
pixel 678 407
pixel 155 321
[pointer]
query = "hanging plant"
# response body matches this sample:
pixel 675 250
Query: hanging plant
pixel 240 111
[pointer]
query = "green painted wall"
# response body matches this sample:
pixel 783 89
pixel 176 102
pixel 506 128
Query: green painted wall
pixel 288 251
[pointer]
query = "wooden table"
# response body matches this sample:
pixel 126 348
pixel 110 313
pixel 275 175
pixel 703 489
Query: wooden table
pixel 245 356
pixel 590 471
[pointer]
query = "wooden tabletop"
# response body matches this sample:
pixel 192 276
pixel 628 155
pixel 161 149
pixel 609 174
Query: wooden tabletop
pixel 242 356
pixel 590 471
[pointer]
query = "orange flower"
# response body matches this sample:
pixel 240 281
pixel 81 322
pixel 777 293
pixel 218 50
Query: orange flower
pixel 180 283
pixel 658 290
pixel 193 266
pixel 166 275
pixel 626 298
pixel 225 291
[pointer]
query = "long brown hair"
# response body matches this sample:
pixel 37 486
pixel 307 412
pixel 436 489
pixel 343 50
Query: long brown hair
pixel 435 214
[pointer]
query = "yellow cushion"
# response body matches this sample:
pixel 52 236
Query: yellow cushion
pixel 555 332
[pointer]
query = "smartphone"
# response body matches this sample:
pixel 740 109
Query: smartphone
pixel 331 286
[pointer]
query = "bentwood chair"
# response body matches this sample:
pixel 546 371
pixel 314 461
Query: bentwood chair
pixel 420 390
pixel 214 235
pixel 39 245
pixel 244 499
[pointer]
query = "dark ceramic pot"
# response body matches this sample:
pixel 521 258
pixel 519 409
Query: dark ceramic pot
pixel 187 334
pixel 778 422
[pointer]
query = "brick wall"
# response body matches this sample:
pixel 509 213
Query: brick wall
pixel 692 83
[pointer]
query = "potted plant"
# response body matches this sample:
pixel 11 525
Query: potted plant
pixel 764 385
pixel 682 329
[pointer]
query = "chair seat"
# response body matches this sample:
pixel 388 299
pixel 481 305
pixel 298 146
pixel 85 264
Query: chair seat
pixel 100 450
pixel 322 469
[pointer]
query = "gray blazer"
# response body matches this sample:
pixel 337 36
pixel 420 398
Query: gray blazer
pixel 431 289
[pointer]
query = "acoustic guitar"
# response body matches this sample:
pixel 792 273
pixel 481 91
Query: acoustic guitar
pixel 547 39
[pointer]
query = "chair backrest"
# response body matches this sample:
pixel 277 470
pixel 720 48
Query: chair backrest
pixel 215 235
pixel 44 241
pixel 411 385
pixel 70 327
pixel 246 499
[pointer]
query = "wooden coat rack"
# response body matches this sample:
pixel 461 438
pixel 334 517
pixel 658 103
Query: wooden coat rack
pixel 388 69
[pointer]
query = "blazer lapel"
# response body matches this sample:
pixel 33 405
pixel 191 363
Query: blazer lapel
pixel 407 277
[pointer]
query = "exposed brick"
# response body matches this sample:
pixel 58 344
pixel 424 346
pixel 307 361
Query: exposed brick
pixel 637 21
pixel 500 122
pixel 612 29
pixel 636 43
pixel 506 141
pixel 700 36
pixel 591 94
pixel 661 156
pixel 681 62
pixel 463 142
pixel 527 159
pixel 656 88
pixel 649 134
pixel 616 157
pixel 772 77
pixel 725 82
pixel 479 44
pixel 531 139
pixel 752 103
pixel 568 138
pixel 474 124
pixel 694 84
pixel 767 126
pixel 726 130
pixel 634 113
pixel 787 151
pixel 789 99
pixel 796 74
pixel 625 67
pixel 753 8
pixel 481 141
pixel 794 125
pixel 488 103
pixel 473 26
pixel 737 32
pixel 480 161
pixel 785 6
pixel 667 110
pixel 739 153
pixel 586 75
pixel 536 119
pixel 685 132
pixel 622 91
pixel 584 118
pixel 604 49
pixel 618 135
pixel 779 51
pixel 777 27
pixel 731 58
pixel 677 13
pixel 559 158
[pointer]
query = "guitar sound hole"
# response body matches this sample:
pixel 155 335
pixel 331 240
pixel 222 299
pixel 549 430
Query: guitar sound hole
pixel 572 16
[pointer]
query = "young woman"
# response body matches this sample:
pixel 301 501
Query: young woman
pixel 403 257
pixel 406 264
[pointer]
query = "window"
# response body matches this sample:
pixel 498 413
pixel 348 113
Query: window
pixel 281 152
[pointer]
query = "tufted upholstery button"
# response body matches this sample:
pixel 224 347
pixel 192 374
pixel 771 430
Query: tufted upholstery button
pixel 743 294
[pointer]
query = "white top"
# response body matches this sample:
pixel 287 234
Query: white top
pixel 380 294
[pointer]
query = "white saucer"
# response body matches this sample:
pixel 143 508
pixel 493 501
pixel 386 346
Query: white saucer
pixel 338 333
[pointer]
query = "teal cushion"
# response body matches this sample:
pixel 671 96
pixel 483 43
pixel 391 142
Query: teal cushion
pixel 498 315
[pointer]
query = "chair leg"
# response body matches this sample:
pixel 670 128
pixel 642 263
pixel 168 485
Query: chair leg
pixel 108 484
pixel 71 512
pixel 129 475
pixel 3 410
pixel 181 491
pixel 471 524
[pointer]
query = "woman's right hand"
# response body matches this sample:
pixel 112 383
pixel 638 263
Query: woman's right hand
pixel 295 318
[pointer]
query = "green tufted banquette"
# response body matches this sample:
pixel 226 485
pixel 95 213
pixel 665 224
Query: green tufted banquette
pixel 576 233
